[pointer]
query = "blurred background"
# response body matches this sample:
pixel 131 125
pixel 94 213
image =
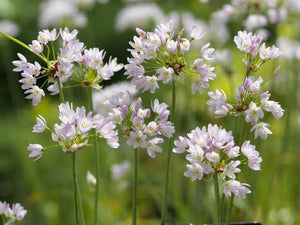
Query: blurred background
pixel 44 187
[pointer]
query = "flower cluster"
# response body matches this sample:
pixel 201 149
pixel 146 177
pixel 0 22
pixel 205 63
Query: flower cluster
pixel 85 67
pixel 255 52
pixel 136 125
pixel 250 102
pixel 75 129
pixel 162 56
pixel 12 215
pixel 212 151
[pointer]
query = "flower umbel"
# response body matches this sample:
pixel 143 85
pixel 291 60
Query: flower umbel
pixel 162 56
pixel 137 126
pixel 249 102
pixel 212 151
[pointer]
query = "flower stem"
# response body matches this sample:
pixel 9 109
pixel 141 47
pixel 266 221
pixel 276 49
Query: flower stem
pixel 61 94
pixel 134 187
pixel 75 189
pixel 217 198
pixel 77 199
pixel 239 144
pixel 90 97
pixel 169 149
pixel 23 45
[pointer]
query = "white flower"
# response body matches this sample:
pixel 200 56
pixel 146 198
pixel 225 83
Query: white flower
pixel 36 151
pixel 207 53
pixel 254 159
pixel 165 74
pixel 195 171
pixel 253 113
pixel 153 147
pixel 231 168
pixel 261 129
pixel 40 126
pixel 137 139
pixel 36 47
pixel 238 189
pixel 35 93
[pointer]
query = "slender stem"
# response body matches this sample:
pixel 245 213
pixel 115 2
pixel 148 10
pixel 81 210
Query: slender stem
pixel 134 187
pixel 90 97
pixel 77 198
pixel 61 94
pixel 222 207
pixel 23 45
pixel 75 189
pixel 217 198
pixel 169 149
pixel 239 144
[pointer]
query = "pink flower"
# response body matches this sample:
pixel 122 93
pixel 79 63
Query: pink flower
pixel 36 151
pixel 40 126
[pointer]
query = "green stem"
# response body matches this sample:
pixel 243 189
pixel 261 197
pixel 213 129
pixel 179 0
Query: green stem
pixel 239 144
pixel 169 149
pixel 134 187
pixel 61 94
pixel 77 198
pixel 217 198
pixel 222 207
pixel 75 189
pixel 23 45
pixel 97 162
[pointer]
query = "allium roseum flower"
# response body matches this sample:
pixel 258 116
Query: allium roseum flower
pixel 162 56
pixel 40 126
pixel 74 130
pixel 12 215
pixel 254 51
pixel 212 151
pixel 72 133
pixel 71 62
pixel 136 125
pixel 249 102
pixel 36 151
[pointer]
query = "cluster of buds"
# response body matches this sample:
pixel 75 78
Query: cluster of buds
pixel 85 67
pixel 250 102
pixel 73 133
pixel 136 125
pixel 255 52
pixel 212 151
pixel 162 56
pixel 12 215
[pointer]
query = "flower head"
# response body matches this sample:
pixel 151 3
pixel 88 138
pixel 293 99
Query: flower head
pixel 250 102
pixel 211 151
pixel 166 53
pixel 72 61
pixel 136 124
pixel 255 52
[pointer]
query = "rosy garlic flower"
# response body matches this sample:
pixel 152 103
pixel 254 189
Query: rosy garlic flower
pixel 136 124
pixel 255 53
pixel 162 56
pixel 212 151
pixel 12 215
pixel 250 103
pixel 74 130
pixel 71 62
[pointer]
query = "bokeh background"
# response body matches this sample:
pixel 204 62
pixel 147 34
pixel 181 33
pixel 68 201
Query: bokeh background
pixel 44 187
